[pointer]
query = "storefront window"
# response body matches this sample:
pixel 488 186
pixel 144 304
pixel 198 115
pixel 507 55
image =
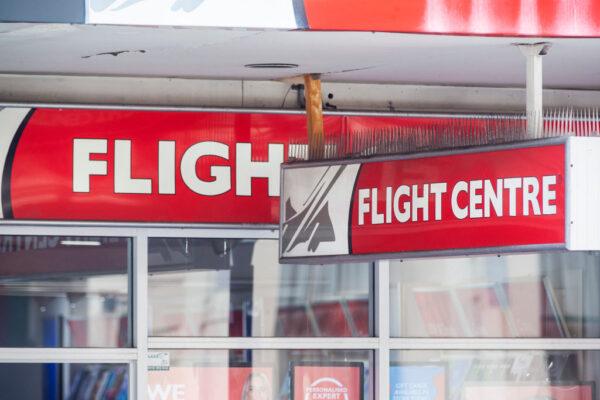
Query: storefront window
pixel 553 295
pixel 236 287
pixel 263 375
pixel 58 291
pixel 64 381
pixel 494 375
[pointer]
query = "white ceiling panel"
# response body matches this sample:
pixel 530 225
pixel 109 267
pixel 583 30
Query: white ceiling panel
pixel 339 56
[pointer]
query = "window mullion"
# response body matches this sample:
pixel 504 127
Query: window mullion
pixel 140 314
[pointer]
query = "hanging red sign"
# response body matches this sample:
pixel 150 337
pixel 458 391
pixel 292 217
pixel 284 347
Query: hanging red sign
pixel 477 199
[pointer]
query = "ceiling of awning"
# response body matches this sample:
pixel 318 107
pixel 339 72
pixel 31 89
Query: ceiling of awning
pixel 339 56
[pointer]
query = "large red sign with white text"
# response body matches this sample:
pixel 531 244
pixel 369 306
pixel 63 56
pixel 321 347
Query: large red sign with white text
pixel 483 198
pixel 115 165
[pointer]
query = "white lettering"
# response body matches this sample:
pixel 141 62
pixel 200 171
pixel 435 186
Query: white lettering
pixel 493 198
pixel 459 212
pixel 246 169
pixel 166 392
pixel 512 184
pixel 531 189
pixel 376 218
pixel 548 195
pixel 388 205
pixel 221 174
pixel 475 199
pixel 420 202
pixel 363 205
pixel 83 167
pixel 404 214
pixel 437 189
pixel 124 183
pixel 166 167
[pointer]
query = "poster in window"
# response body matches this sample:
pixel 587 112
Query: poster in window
pixel 209 383
pixel 425 381
pixel 331 381
pixel 530 391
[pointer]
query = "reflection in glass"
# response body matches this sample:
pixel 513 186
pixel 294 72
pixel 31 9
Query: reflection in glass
pixel 259 374
pixel 64 291
pixel 236 287
pixel 494 374
pixel 64 381
pixel 529 295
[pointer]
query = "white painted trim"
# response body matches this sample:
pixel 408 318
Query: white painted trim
pixel 583 193
pixel 67 231
pixel 494 344
pixel 141 225
pixel 140 313
pixel 382 312
pixel 262 343
pixel 66 355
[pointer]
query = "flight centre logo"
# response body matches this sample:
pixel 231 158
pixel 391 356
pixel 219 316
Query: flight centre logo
pixel 317 209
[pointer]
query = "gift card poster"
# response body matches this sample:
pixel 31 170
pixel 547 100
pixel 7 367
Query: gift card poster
pixel 418 382
pixel 331 382
pixel 210 383
pixel 528 392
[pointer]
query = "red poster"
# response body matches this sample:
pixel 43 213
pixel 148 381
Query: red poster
pixel 336 381
pixel 524 391
pixel 210 383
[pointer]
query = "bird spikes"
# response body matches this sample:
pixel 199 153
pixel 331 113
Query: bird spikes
pixel 451 133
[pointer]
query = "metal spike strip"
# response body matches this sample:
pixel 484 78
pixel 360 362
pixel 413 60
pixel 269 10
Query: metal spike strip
pixel 452 133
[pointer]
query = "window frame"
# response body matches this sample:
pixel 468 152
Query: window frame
pixel 136 357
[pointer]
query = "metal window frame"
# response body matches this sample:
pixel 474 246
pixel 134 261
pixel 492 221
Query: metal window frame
pixel 381 343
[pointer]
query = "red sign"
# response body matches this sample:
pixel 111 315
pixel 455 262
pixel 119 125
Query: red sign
pixel 489 198
pixel 498 198
pixel 337 381
pixel 209 383
pixel 115 165
pixel 465 17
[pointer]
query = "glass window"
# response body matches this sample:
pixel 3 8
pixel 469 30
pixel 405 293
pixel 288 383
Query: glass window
pixel 552 295
pixel 64 291
pixel 263 375
pixel 63 381
pixel 236 287
pixel 494 375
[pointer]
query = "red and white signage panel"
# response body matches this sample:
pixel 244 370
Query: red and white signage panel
pixel 477 199
pixel 335 381
pixel 147 166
